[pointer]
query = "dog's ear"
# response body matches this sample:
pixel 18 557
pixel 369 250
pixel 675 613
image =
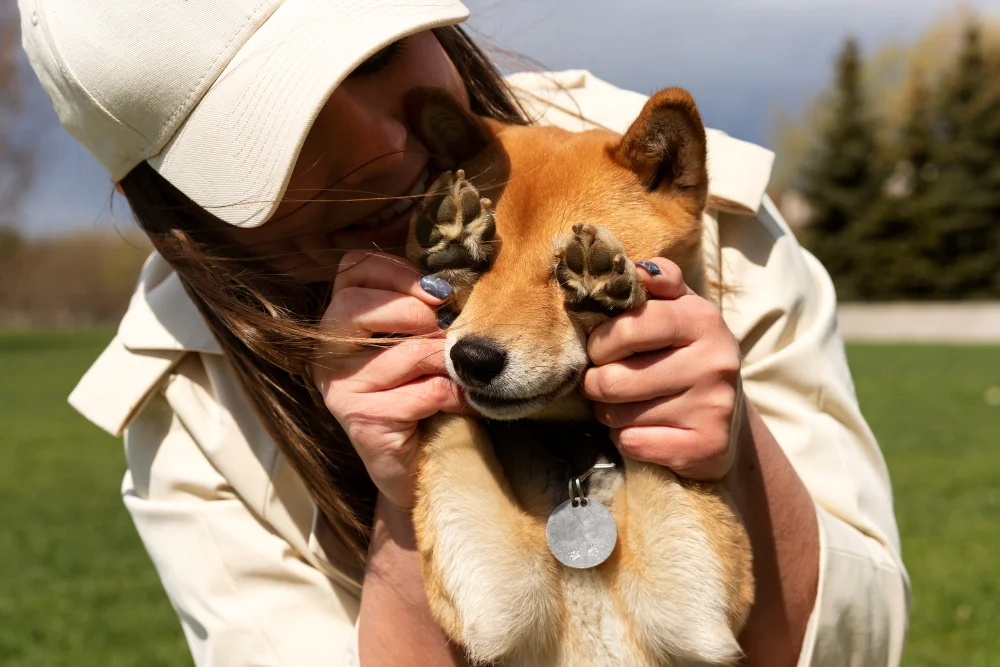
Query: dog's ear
pixel 666 148
pixel 450 132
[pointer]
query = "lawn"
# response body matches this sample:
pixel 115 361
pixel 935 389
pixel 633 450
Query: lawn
pixel 929 408
pixel 77 589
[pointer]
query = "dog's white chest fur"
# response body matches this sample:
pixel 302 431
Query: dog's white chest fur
pixel 661 599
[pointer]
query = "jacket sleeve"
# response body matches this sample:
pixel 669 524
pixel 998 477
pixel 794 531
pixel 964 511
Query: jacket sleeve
pixel 780 303
pixel 243 595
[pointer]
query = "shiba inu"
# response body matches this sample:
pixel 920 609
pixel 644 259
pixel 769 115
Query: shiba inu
pixel 537 228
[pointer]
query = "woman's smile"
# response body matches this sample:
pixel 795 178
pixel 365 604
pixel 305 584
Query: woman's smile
pixel 386 227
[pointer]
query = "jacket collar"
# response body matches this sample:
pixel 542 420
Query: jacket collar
pixel 162 317
pixel 161 325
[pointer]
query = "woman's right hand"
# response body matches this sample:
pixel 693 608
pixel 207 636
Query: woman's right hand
pixel 379 394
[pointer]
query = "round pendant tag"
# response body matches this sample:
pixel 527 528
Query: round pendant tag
pixel 583 536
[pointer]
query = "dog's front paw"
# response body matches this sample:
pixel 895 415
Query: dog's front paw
pixel 596 276
pixel 453 230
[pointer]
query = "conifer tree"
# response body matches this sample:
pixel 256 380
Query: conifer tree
pixel 959 234
pixel 916 137
pixel 888 261
pixel 843 177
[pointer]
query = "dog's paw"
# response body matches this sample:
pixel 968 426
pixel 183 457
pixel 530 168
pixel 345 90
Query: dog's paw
pixel 596 276
pixel 453 230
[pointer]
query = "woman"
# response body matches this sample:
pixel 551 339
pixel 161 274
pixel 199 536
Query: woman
pixel 263 149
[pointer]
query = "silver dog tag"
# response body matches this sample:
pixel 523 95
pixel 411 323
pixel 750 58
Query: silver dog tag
pixel 581 533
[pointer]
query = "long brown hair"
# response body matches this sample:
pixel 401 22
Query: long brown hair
pixel 266 322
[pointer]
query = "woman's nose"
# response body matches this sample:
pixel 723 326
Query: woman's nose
pixel 369 139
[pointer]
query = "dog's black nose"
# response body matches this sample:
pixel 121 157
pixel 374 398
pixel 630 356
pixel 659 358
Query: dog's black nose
pixel 477 360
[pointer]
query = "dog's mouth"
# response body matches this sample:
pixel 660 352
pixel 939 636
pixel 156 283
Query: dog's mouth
pixel 506 406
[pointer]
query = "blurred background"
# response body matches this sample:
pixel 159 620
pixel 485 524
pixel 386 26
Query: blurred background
pixel 885 117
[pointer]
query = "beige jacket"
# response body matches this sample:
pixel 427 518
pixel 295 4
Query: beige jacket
pixel 235 537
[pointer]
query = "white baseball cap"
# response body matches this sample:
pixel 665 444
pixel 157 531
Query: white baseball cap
pixel 217 95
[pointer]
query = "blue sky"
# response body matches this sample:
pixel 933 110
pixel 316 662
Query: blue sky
pixel 742 59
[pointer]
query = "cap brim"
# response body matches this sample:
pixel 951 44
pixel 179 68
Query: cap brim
pixel 235 153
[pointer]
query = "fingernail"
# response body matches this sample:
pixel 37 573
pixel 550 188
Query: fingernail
pixel 436 287
pixel 446 317
pixel 653 269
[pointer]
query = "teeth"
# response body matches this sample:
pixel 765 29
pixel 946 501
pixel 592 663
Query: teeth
pixel 420 187
pixel 401 206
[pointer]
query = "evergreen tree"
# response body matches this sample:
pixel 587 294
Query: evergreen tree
pixel 843 178
pixel 888 261
pixel 989 118
pixel 916 139
pixel 959 235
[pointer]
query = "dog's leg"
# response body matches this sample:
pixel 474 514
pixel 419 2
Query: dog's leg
pixel 681 570
pixel 491 581
pixel 452 233
pixel 598 279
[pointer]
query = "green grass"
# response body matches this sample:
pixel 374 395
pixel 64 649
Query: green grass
pixel 941 437
pixel 76 587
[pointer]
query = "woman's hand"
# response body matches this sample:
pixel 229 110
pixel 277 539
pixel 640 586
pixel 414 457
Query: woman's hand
pixel 666 379
pixel 379 394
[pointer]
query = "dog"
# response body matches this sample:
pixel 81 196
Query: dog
pixel 535 227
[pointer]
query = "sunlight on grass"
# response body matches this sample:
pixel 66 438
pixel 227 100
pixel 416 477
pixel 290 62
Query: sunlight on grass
pixel 76 587
pixel 929 408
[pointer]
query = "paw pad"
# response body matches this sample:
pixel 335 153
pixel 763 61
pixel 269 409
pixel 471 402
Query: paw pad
pixel 595 274
pixel 454 227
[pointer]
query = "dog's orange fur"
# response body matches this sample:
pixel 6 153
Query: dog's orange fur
pixel 678 587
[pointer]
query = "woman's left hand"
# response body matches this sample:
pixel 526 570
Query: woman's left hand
pixel 666 379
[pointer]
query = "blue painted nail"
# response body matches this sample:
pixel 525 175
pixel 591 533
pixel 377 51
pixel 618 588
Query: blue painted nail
pixel 436 287
pixel 653 269
pixel 446 318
